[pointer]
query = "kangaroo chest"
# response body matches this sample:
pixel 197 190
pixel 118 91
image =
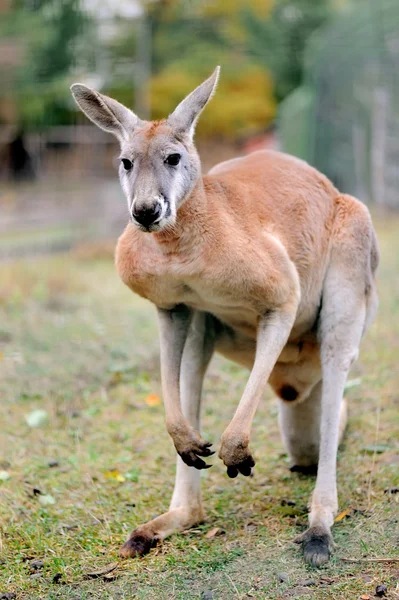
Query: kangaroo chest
pixel 237 280
pixel 234 290
pixel 199 291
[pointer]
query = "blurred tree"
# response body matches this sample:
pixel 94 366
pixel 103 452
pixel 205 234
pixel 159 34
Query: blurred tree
pixel 188 40
pixel 259 44
pixel 278 41
pixel 54 36
pixel 243 105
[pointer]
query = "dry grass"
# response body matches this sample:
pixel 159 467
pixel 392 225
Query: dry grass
pixel 76 343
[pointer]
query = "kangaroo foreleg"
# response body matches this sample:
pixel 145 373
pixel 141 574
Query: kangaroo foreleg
pixel 273 331
pixel 173 329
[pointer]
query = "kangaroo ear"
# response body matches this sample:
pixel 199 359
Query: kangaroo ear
pixel 106 113
pixel 185 116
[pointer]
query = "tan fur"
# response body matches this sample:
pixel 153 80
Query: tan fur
pixel 226 241
pixel 262 260
pixel 250 231
pixel 223 256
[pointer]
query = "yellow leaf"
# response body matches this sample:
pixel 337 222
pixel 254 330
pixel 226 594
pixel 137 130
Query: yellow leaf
pixel 342 515
pixel 115 475
pixel 214 532
pixel 1 356
pixel 152 400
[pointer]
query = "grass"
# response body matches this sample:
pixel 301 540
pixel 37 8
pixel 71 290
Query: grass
pixel 75 343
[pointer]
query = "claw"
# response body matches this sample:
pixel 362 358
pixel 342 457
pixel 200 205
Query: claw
pixel 316 546
pixel 138 544
pixel 193 450
pixel 245 470
pixel 232 472
pixel 244 467
pixel 206 452
pixel 192 460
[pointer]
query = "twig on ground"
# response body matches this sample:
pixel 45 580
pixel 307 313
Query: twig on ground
pixel 369 560
pixel 233 585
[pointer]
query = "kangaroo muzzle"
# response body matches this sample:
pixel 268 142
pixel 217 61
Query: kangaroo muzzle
pixel 147 215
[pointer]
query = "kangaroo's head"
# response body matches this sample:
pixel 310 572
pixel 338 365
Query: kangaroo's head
pixel 159 165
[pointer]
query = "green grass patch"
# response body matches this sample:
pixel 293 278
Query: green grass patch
pixel 75 343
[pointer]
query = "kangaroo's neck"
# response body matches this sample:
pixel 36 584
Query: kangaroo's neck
pixel 192 221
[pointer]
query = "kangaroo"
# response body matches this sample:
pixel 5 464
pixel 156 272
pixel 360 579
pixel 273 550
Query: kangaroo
pixel 262 260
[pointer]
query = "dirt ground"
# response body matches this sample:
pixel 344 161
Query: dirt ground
pixel 76 477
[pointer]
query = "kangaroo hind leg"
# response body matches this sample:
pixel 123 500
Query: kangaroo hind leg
pixel 342 322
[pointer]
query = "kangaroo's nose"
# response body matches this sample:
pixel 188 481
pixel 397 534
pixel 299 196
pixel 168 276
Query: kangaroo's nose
pixel 147 215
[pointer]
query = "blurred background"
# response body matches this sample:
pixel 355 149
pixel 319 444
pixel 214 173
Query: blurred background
pixel 318 79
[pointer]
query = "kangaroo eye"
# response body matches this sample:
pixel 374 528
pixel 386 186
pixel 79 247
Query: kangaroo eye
pixel 173 160
pixel 127 164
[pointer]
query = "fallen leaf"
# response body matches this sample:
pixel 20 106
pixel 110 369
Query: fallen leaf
pixel 342 515
pixel 325 579
pixel 115 475
pixel 352 383
pixel 132 476
pixel 152 400
pixel 110 576
pixel 4 475
pixel 102 572
pixel 214 532
pixel 46 499
pixel 37 418
pixel 364 597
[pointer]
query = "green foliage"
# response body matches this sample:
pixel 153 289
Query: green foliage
pixel 258 43
pixel 278 42
pixel 49 34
